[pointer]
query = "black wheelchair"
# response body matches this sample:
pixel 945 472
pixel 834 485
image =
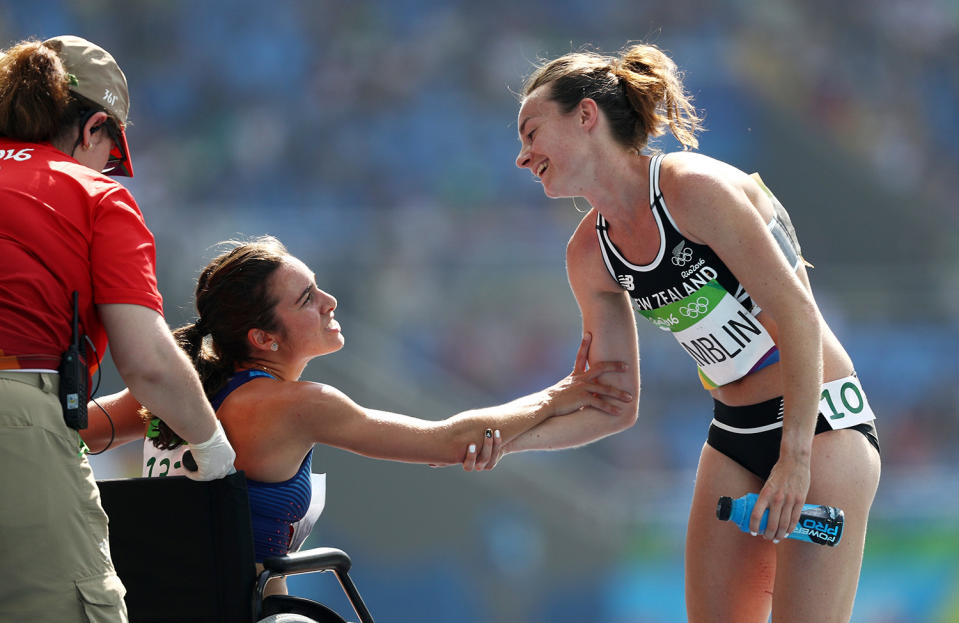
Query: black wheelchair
pixel 184 551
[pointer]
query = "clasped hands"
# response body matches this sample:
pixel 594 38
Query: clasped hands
pixel 579 391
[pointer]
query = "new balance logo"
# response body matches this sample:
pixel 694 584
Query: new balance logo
pixel 627 282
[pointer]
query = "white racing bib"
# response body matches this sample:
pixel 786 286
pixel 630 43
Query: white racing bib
pixel 159 463
pixel 721 336
pixel 843 403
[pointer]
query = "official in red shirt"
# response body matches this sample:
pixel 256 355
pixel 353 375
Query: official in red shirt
pixel 65 228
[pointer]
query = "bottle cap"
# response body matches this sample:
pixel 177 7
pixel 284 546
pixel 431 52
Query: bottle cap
pixel 725 508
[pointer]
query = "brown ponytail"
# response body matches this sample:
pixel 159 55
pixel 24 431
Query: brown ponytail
pixel 34 94
pixel 640 92
pixel 190 339
pixel 232 297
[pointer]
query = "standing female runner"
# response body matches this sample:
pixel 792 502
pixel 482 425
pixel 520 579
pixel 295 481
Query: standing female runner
pixel 705 252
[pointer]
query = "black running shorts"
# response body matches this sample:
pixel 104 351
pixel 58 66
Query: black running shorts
pixel 758 451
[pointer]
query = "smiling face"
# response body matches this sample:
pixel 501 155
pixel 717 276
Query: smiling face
pixel 549 142
pixel 304 312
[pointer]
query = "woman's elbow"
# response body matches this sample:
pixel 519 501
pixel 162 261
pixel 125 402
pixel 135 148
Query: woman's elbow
pixel 622 417
pixel 628 416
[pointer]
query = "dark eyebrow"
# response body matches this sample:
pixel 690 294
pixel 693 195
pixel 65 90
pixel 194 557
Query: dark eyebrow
pixel 304 293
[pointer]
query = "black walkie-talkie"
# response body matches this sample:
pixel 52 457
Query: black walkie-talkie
pixel 73 377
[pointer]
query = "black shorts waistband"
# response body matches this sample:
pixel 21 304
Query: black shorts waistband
pixel 761 414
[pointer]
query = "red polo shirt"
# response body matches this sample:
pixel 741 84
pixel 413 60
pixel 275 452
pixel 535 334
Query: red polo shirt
pixel 64 227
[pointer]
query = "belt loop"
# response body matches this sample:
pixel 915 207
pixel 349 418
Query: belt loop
pixel 46 382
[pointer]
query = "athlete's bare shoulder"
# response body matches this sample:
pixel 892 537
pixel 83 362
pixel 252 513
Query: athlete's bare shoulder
pixel 585 231
pixel 685 170
pixel 698 187
pixel 584 258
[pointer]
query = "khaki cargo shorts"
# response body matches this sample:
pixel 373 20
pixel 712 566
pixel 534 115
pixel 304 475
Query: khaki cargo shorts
pixel 54 549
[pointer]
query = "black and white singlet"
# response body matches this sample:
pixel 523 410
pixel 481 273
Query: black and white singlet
pixel 690 292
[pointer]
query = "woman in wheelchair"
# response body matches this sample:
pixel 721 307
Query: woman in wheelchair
pixel 261 319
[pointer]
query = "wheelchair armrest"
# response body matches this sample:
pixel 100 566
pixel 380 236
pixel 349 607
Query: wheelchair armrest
pixel 316 559
pixel 307 561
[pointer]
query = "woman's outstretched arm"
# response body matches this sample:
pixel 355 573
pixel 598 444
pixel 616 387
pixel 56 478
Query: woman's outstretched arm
pixel 322 414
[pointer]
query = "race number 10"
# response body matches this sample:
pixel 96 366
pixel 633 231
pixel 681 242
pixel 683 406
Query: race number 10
pixel 847 391
pixel 844 403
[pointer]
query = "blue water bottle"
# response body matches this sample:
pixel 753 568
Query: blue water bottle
pixel 818 524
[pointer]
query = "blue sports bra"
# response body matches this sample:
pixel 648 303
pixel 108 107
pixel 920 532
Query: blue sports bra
pixel 274 506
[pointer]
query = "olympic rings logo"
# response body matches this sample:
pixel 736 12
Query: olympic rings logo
pixel 681 258
pixel 695 309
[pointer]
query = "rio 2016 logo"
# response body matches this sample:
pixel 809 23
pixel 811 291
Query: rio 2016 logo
pixel 665 323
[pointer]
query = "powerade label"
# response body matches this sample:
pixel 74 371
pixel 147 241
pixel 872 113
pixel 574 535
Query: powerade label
pixel 721 336
pixel 822 525
pixel 818 533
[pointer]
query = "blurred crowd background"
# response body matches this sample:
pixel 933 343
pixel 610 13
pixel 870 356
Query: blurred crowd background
pixel 377 140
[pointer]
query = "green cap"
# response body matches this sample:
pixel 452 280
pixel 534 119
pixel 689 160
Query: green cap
pixel 94 74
